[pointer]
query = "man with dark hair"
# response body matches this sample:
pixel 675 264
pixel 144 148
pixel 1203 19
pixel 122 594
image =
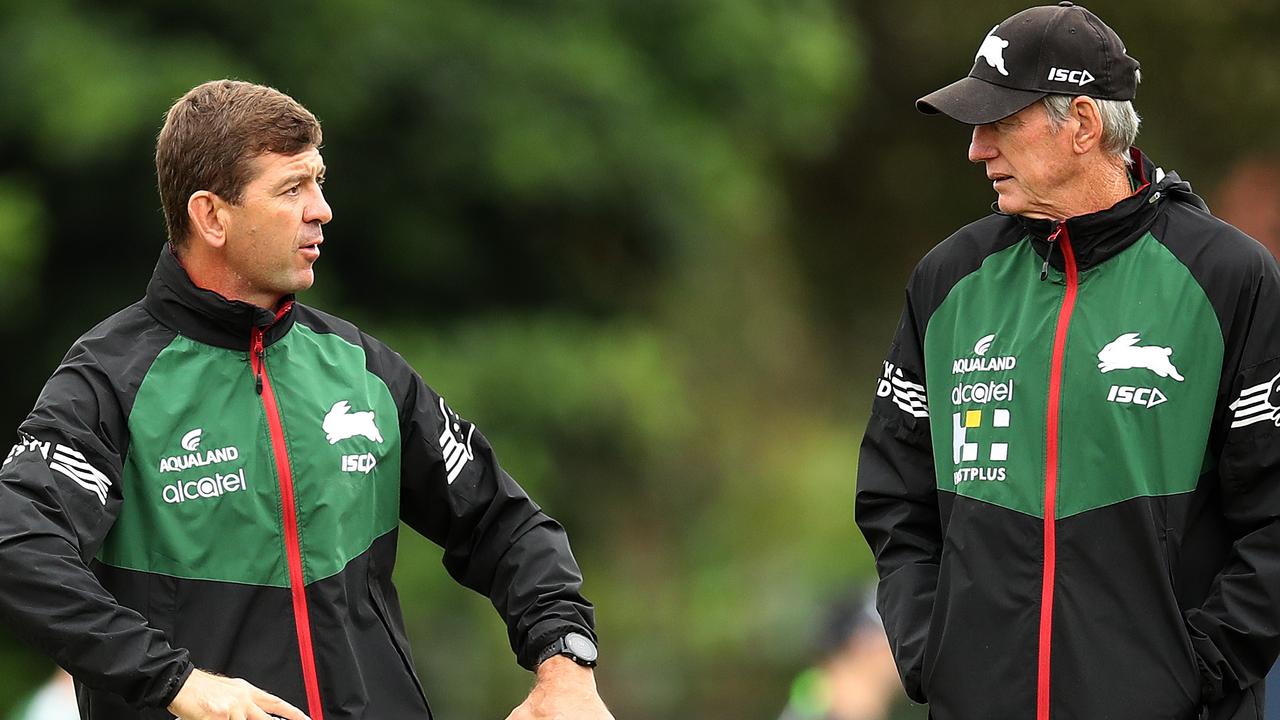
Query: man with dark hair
pixel 214 476
pixel 1071 475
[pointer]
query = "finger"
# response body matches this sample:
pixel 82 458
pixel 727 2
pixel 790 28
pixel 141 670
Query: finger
pixel 276 706
pixel 256 712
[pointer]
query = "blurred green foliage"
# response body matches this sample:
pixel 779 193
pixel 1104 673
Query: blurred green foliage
pixel 655 250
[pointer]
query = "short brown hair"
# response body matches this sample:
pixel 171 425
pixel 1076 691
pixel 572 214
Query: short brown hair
pixel 211 134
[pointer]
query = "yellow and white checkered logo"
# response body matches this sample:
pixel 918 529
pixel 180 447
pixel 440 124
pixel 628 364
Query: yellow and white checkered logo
pixel 963 422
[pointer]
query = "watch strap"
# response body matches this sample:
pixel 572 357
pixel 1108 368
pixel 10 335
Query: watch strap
pixel 562 646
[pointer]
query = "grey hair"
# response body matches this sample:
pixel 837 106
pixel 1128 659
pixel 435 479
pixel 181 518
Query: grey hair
pixel 1120 122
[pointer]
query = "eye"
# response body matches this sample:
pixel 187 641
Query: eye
pixel 293 191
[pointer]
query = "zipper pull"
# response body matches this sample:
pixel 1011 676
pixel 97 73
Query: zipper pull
pixel 257 353
pixel 1053 238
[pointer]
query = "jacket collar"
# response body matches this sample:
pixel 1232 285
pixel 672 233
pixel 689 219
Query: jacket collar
pixel 204 315
pixel 1099 236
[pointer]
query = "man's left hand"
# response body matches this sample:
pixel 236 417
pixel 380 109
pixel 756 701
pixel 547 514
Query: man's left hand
pixel 565 691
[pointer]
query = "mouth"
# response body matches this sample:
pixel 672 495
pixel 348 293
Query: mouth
pixel 311 249
pixel 997 178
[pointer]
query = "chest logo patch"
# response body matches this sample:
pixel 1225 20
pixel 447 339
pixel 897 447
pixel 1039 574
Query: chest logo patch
pixel 979 362
pixel 966 449
pixel 340 423
pixel 1124 353
pixel 191 441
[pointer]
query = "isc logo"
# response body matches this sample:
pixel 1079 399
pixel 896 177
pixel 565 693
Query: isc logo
pixel 1078 77
pixel 359 463
pixel 1143 397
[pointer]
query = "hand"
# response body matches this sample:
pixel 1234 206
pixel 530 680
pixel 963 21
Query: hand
pixel 565 691
pixel 212 697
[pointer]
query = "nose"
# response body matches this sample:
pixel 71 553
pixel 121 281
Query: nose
pixel 981 147
pixel 318 209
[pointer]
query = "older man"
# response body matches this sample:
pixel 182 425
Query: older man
pixel 1071 476
pixel 201 513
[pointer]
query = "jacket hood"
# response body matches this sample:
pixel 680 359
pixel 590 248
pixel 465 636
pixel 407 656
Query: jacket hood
pixel 204 315
pixel 1099 236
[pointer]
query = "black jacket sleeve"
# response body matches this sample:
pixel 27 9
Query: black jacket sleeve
pixel 59 495
pixel 1236 631
pixel 497 541
pixel 897 503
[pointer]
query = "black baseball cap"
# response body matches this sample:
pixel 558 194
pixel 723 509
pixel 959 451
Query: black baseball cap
pixel 1051 49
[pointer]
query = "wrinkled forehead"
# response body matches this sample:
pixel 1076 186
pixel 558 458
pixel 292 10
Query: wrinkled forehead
pixel 271 166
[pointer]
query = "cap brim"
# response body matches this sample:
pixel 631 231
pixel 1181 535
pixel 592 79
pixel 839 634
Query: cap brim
pixel 977 102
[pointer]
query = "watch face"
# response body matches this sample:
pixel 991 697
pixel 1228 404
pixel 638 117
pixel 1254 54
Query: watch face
pixel 581 646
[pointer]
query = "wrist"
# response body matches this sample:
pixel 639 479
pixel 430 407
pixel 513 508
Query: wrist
pixel 560 671
pixel 573 645
pixel 175 683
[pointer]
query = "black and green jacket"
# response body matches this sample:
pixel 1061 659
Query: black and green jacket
pixel 1071 475
pixel 204 483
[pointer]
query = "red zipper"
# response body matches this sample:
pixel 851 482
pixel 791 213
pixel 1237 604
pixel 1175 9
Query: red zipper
pixel 292 540
pixel 1051 468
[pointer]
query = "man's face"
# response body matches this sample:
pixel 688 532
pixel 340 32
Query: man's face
pixel 1029 165
pixel 273 235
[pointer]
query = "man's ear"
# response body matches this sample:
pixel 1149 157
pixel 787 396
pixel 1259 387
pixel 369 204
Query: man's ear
pixel 208 225
pixel 1088 133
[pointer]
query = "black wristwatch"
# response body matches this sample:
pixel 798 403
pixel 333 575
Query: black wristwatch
pixel 576 646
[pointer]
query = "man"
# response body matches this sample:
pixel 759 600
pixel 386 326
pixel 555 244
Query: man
pixel 854 676
pixel 201 512
pixel 1071 476
pixel 54 700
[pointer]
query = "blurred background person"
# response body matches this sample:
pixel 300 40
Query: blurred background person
pixel 55 700
pixel 853 677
